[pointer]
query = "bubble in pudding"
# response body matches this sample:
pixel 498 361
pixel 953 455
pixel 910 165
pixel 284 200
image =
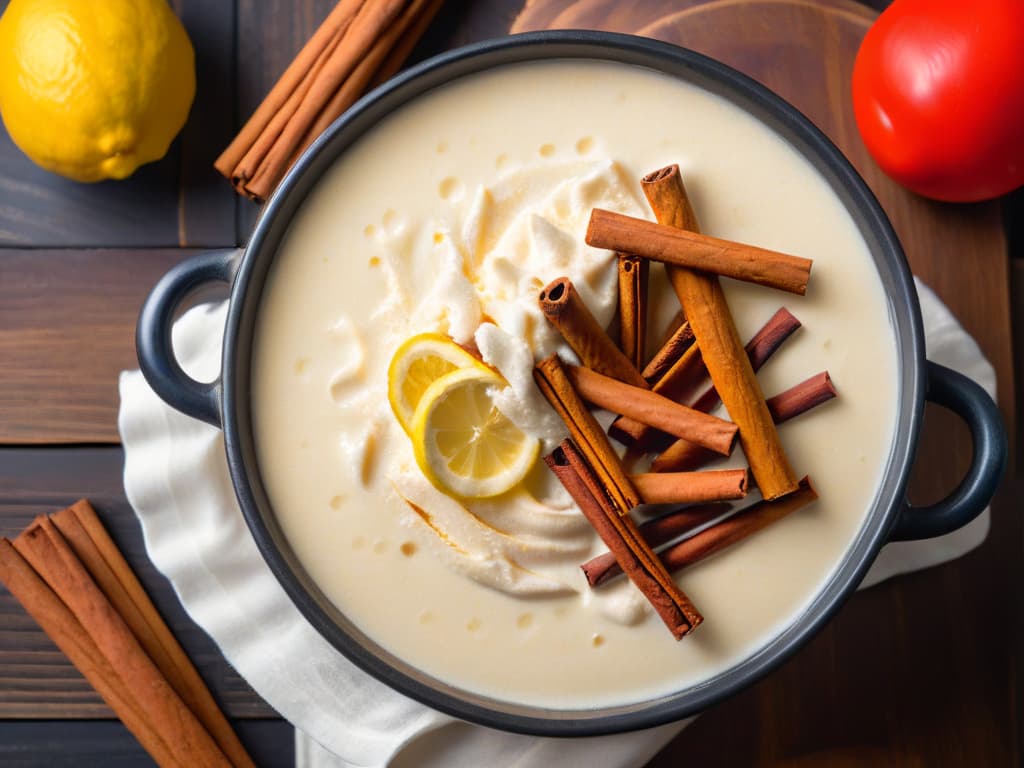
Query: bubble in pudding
pixel 450 188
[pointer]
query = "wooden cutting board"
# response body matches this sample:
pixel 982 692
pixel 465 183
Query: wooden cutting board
pixel 804 51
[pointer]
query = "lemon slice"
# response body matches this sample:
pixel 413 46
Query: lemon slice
pixel 417 364
pixel 463 443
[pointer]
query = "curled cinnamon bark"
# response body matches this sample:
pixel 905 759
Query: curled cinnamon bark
pixel 590 440
pixel 678 342
pixel 702 545
pixel 564 309
pixel 798 399
pixel 736 528
pixel 691 487
pixel 649 408
pixel 683 455
pixel 620 535
pixel 759 349
pixel 633 272
pixel 691 250
pixel 657 531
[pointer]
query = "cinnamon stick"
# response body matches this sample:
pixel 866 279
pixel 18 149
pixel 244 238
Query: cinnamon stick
pixel 678 342
pixel 282 100
pixel 67 633
pixel 649 408
pixel 620 534
pixel 691 487
pixel 360 43
pixel 686 372
pixel 45 549
pixel 380 63
pixel 759 349
pixel 633 273
pixel 590 439
pixel 691 250
pixel 265 163
pixel 394 61
pixel 800 398
pixel 84 532
pixel 679 381
pixel 818 389
pixel 722 352
pixel 702 545
pixel 656 531
pixel 736 528
pixel 564 309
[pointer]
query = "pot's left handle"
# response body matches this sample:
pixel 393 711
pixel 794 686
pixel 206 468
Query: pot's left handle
pixel 153 335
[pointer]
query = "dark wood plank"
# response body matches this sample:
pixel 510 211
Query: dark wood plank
pixel 67 329
pixel 36 680
pixel 108 744
pixel 177 201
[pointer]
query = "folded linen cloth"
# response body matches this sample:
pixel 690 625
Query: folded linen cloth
pixel 177 481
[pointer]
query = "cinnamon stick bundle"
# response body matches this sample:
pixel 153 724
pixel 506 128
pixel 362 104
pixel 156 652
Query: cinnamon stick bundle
pixel 692 250
pixel 683 455
pixel 633 274
pixel 691 487
pixel 69 575
pixel 649 408
pixel 690 551
pixel 723 354
pixel 800 398
pixel 564 309
pixel 656 532
pixel 620 534
pixel 590 439
pixel 360 41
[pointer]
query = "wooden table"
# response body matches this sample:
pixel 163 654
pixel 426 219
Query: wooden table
pixel 923 670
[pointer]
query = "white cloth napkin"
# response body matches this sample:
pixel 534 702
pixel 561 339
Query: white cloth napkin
pixel 177 481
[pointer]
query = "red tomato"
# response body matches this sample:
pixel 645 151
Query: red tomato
pixel 938 92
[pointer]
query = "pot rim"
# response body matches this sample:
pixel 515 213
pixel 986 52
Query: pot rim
pixel 709 74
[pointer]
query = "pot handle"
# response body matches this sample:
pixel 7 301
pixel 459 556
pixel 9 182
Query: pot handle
pixel 153 335
pixel 970 402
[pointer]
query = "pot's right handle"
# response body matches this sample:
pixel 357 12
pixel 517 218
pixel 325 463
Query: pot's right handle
pixel 970 402
pixel 153 335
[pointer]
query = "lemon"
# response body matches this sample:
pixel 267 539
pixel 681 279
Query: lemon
pixel 92 90
pixel 463 443
pixel 417 364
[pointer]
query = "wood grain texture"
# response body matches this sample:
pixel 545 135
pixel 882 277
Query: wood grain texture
pixel 67 329
pixel 176 201
pixel 108 744
pixel 927 666
pixel 37 680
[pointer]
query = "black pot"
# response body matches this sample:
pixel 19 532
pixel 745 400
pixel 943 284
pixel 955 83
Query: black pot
pixel 226 402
